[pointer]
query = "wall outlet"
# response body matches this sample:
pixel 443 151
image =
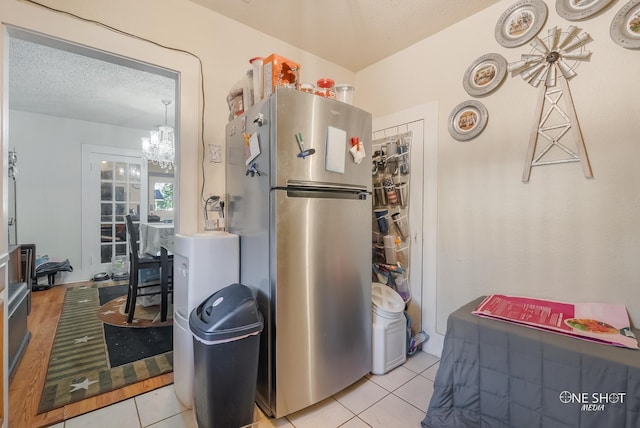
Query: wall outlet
pixel 215 153
pixel 215 224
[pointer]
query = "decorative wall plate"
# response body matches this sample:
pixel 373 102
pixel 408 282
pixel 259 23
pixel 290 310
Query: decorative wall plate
pixel 625 27
pixel 575 10
pixel 520 23
pixel 467 120
pixel 485 74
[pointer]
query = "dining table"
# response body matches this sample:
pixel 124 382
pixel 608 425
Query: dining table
pixel 153 236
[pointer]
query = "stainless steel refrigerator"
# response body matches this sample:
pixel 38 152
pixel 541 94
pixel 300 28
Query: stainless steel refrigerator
pixel 298 196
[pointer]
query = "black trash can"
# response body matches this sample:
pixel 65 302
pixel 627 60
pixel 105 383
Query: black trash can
pixel 226 338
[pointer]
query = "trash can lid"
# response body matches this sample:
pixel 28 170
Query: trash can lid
pixel 229 314
pixel 386 298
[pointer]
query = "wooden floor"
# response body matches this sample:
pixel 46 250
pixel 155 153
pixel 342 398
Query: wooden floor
pixel 26 385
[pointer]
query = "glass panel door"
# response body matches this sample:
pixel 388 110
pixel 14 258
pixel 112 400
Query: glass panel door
pixel 119 195
pixel 114 185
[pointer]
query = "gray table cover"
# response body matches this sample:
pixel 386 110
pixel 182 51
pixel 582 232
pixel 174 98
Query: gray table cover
pixel 498 374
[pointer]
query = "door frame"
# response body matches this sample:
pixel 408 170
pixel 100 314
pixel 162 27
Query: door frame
pixel 427 161
pixel 20 18
pixel 90 208
pixel 189 113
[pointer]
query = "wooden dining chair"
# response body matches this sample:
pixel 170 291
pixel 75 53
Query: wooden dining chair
pixel 145 261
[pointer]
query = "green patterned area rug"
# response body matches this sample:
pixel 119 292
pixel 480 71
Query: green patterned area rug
pixel 79 365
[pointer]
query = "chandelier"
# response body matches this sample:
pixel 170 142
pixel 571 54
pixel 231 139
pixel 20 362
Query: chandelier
pixel 159 147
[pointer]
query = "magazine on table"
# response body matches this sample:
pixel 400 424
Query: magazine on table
pixel 600 322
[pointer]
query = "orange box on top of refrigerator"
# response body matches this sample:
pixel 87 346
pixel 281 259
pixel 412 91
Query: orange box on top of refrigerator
pixel 280 71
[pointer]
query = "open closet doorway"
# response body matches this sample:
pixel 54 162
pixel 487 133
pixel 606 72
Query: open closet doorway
pixel 82 98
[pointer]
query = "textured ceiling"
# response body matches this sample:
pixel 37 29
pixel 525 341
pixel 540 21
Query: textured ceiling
pixel 351 33
pixel 52 81
pixel 49 77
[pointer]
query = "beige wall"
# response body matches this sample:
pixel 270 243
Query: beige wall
pixel 224 47
pixel 561 236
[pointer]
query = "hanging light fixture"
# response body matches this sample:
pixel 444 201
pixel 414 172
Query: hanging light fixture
pixel 159 147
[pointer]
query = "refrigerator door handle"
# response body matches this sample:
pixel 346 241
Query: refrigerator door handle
pixel 310 189
pixel 318 185
pixel 294 192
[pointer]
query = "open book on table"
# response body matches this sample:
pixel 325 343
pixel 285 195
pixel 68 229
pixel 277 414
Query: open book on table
pixel 601 322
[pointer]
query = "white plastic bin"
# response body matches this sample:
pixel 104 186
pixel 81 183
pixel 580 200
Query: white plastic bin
pixel 389 344
pixel 202 264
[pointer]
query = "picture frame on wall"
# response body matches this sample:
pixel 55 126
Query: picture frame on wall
pixel 577 10
pixel 485 75
pixel 467 120
pixel 625 26
pixel 520 23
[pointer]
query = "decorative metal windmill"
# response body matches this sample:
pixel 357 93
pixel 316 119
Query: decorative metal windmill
pixel 559 54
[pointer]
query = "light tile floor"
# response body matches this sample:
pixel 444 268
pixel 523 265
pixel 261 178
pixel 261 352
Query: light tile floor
pixel 398 399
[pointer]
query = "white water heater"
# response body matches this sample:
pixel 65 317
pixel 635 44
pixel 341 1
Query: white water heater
pixel 203 263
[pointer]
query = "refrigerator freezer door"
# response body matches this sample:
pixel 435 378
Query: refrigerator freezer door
pixel 322 281
pixel 307 122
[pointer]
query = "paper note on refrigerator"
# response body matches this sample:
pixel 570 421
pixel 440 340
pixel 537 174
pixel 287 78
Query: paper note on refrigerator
pixel 254 148
pixel 336 150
